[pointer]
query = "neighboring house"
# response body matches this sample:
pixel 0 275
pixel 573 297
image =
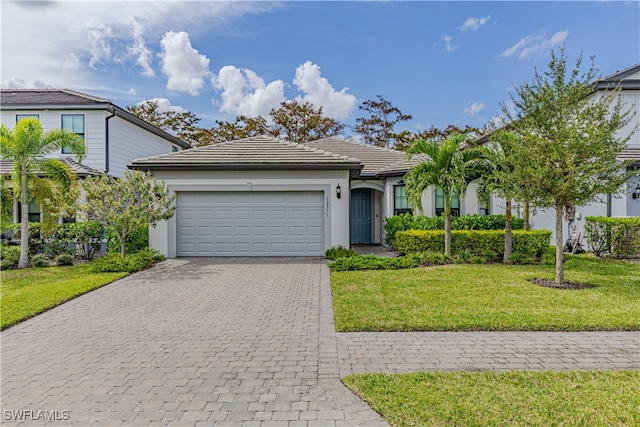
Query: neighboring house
pixel 113 136
pixel 263 196
pixel 627 205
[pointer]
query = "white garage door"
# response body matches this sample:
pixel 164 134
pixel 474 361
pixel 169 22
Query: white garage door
pixel 250 223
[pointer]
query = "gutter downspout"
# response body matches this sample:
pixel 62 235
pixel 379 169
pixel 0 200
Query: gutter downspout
pixel 106 138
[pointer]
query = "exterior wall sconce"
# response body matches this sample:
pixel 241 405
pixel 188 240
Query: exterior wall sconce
pixel 339 191
pixel 636 193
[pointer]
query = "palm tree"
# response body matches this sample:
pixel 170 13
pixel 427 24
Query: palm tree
pixel 27 147
pixel 498 180
pixel 447 166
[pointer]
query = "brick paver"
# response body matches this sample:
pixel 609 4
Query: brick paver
pixel 395 352
pixel 223 341
pixel 242 342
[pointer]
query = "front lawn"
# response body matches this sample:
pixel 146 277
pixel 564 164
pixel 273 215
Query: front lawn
pixel 27 292
pixel 496 297
pixel 515 398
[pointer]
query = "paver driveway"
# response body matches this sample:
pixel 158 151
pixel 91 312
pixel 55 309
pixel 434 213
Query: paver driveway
pixel 189 342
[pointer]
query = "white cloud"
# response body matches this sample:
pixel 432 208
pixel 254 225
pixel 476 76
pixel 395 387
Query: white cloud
pixel 535 45
pixel 448 46
pixel 140 51
pixel 78 41
pixel 245 93
pixel 474 108
pixel 184 65
pixel 319 92
pixel 17 83
pixel 164 105
pixel 474 24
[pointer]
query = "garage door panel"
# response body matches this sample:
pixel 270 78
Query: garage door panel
pixel 250 223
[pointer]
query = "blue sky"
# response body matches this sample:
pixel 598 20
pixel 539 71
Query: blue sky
pixel 442 62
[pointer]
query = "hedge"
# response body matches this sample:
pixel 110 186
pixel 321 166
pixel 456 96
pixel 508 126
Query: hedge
pixel 614 237
pixel 408 221
pixel 528 244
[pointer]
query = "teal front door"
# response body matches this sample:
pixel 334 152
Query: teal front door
pixel 361 215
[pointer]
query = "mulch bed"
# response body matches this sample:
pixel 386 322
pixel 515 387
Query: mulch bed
pixel 548 283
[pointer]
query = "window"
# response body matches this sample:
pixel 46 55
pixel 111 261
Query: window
pixel 455 203
pixel 483 207
pixel 34 212
pixel 27 116
pixel 400 202
pixel 72 123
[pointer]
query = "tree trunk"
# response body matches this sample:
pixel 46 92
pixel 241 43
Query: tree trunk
pixel 123 246
pixel 508 235
pixel 527 227
pixel 447 225
pixel 559 247
pixel 24 221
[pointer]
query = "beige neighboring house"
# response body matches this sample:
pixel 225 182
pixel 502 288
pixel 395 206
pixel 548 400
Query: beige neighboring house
pixel 113 136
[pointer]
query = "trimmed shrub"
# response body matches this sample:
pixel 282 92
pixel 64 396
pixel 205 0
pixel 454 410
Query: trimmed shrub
pixel 407 221
pixel 372 262
pixel 83 238
pixel 135 242
pixel 614 237
pixel 40 261
pixel 339 251
pixel 64 259
pixel 9 256
pixel 530 244
pixel 431 258
pixel 114 263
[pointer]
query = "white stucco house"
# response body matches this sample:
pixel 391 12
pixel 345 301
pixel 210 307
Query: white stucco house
pixel 626 205
pixel 113 136
pixel 263 196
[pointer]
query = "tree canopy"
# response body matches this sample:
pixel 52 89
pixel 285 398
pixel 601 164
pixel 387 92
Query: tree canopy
pixel 47 181
pixel 570 140
pixel 379 127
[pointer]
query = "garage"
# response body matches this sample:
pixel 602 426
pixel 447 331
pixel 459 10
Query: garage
pixel 250 223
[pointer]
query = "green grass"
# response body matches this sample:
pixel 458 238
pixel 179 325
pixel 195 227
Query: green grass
pixel 515 398
pixel 489 297
pixel 27 292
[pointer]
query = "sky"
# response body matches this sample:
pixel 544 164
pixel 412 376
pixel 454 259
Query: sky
pixel 441 62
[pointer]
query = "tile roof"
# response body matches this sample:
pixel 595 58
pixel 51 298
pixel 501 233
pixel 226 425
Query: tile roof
pixel 261 152
pixel 374 159
pixel 19 97
pixel 77 168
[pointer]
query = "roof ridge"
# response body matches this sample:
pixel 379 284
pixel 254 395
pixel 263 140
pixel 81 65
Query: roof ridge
pixel 356 142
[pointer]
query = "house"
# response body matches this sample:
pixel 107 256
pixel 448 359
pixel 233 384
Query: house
pixel 627 205
pixel 263 196
pixel 112 135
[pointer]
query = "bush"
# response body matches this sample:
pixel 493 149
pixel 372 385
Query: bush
pixel 114 263
pixel 9 256
pixel 372 262
pixel 530 244
pixel 83 238
pixel 431 258
pixel 40 261
pixel 614 237
pixel 407 221
pixel 339 251
pixel 64 259
pixel 135 242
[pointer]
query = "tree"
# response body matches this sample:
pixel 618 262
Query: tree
pixel 499 179
pixel 48 182
pixel 448 166
pixel 568 157
pixel 243 127
pixel 378 128
pixel 128 203
pixel 301 123
pixel 179 123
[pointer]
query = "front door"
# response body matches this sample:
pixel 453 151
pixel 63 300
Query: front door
pixel 361 215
